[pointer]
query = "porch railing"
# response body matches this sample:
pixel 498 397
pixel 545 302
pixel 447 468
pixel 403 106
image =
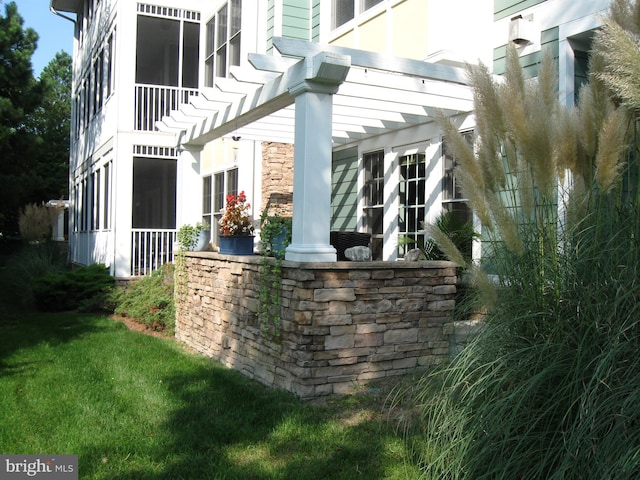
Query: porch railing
pixel 152 102
pixel 150 249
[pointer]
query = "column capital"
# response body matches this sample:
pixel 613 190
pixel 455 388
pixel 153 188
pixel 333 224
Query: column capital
pixel 321 73
pixel 190 148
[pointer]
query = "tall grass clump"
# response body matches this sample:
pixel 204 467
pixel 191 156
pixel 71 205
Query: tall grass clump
pixel 550 389
pixel 34 222
pixel 25 265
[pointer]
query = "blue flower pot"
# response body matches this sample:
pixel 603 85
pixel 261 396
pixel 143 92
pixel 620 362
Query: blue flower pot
pixel 236 244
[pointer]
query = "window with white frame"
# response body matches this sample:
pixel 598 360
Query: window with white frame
pixel 346 10
pixel 374 200
pixel 453 199
pixel 95 87
pixel 215 189
pixel 412 199
pixel 223 41
pixel 167 47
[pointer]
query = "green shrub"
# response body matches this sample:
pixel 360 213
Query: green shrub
pixel 82 288
pixel 149 299
pixel 26 264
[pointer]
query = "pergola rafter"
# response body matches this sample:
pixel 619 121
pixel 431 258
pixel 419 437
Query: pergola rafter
pixel 380 94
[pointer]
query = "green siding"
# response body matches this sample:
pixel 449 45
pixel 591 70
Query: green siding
pixel 315 21
pixel 296 19
pixel 548 39
pixel 506 8
pixel 300 19
pixel 270 24
pixel 344 190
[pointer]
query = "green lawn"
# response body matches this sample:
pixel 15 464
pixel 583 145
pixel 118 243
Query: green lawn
pixel 132 406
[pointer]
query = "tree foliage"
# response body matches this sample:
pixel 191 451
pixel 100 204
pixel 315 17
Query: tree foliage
pixel 34 121
pixel 50 123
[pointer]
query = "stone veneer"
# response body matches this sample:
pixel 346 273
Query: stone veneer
pixel 277 177
pixel 342 324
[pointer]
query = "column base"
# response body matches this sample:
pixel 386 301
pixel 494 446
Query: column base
pixel 310 253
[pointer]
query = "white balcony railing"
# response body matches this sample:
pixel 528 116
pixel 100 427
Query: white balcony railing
pixel 152 102
pixel 150 249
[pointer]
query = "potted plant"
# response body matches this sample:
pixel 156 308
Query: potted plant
pixel 275 233
pixel 236 226
pixel 194 237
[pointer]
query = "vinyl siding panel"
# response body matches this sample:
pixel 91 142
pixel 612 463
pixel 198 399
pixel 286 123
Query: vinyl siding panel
pixel 548 39
pixel 344 190
pixel 296 19
pixel 505 8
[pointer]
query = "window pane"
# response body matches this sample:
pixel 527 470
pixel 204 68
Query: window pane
pixel 370 3
pixel 221 62
pixel 206 195
pixel 211 32
pixel 218 200
pixel 107 196
pixel 236 12
pixel 234 50
pixel 208 72
pixel 232 182
pixel 154 193
pixel 343 11
pixel 157 51
pixel 190 53
pixel 221 23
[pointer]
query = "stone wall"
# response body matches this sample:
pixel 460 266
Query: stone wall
pixel 277 177
pixel 341 324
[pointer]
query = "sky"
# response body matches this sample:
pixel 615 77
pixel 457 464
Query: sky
pixel 55 33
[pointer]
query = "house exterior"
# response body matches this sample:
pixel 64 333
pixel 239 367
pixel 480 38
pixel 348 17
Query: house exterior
pixel 327 108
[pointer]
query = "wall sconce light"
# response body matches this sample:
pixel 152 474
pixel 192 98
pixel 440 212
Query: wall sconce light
pixel 522 30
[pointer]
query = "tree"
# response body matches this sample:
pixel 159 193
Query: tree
pixel 50 123
pixel 20 95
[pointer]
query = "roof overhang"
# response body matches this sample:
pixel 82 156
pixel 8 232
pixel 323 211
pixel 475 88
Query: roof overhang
pixel 377 94
pixel 69 6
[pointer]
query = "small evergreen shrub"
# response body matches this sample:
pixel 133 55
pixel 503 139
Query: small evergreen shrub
pixel 83 288
pixel 149 300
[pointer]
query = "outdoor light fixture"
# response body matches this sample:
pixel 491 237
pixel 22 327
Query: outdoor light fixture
pixel 521 30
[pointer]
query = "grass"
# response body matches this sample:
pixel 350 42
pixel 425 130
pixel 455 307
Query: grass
pixel 140 407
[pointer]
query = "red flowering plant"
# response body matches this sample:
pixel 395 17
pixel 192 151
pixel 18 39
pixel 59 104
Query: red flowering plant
pixel 236 219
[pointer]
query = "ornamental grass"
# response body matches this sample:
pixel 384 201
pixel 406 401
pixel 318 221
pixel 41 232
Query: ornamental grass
pixel 550 388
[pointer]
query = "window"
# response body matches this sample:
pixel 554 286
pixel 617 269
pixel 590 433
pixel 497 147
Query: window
pixel 154 193
pixel 223 41
pixel 346 10
pixel 374 200
pixel 167 51
pixel 97 192
pixel 412 190
pixel 452 197
pixel 207 218
pixel 111 61
pixel 214 192
pixel 106 221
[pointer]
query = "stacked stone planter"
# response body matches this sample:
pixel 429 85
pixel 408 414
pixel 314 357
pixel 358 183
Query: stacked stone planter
pixel 342 323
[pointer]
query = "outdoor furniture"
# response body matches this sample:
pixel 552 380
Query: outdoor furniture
pixel 343 240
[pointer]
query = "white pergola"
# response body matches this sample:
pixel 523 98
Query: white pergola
pixel 318 97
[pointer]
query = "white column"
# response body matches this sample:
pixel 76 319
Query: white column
pixel 312 175
pixel 59 230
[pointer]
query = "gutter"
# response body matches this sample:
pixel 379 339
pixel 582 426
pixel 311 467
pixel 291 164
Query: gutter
pixel 55 12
